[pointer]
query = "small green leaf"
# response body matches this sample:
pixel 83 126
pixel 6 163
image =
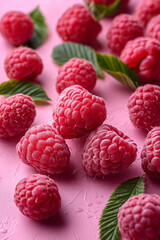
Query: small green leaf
pixel 34 90
pixel 40 29
pixel 100 11
pixel 108 222
pixel 65 51
pixel 119 70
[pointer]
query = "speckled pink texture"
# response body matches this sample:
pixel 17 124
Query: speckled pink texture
pixel 83 198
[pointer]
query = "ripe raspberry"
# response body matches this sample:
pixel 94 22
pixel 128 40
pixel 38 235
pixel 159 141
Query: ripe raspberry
pixel 76 71
pixel 78 112
pixel 78 25
pixel 44 149
pixel 107 150
pixel 139 217
pixel 17 114
pixel 23 63
pixel 147 9
pixel 153 28
pixel 124 27
pixel 37 197
pixel 109 2
pixel 143 55
pixel 144 107
pixel 16 27
pixel 150 154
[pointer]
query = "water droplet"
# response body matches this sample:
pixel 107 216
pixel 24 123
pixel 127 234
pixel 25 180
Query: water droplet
pixel 3 230
pixel 89 204
pixel 79 210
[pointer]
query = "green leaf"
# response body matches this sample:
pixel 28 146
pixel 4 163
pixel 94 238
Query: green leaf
pixel 119 70
pixel 40 29
pixel 108 222
pixel 65 51
pixel 100 11
pixel 34 90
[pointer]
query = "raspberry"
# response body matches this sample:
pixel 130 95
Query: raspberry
pixel 16 27
pixel 78 112
pixel 77 25
pixel 143 55
pixel 23 63
pixel 144 107
pixel 124 27
pixel 147 9
pixel 109 2
pixel 107 150
pixel 153 28
pixel 76 71
pixel 44 149
pixel 37 197
pixel 150 154
pixel 139 217
pixel 17 114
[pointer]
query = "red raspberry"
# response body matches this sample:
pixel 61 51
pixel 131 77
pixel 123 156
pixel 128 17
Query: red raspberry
pixel 76 71
pixel 144 107
pixel 153 28
pixel 23 63
pixel 150 154
pixel 37 197
pixel 78 25
pixel 143 55
pixel 107 150
pixel 16 27
pixel 124 27
pixel 44 149
pixel 147 9
pixel 78 112
pixel 17 114
pixel 139 217
pixel 109 2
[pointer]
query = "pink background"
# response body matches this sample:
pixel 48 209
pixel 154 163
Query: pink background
pixel 83 198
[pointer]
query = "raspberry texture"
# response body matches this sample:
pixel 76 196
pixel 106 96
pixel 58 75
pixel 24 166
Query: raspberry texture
pixel 37 197
pixel 124 27
pixel 150 154
pixel 76 71
pixel 78 25
pixel 44 149
pixel 23 63
pixel 143 55
pixel 147 9
pixel 17 114
pixel 153 28
pixel 16 27
pixel 139 217
pixel 144 107
pixel 78 112
pixel 109 2
pixel 107 151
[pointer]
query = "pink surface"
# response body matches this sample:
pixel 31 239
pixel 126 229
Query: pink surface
pixel 83 198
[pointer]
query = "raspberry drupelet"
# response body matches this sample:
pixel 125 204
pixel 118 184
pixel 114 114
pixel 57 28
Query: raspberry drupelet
pixel 78 25
pixel 76 71
pixel 17 114
pixel 143 55
pixel 23 63
pixel 144 107
pixel 44 149
pixel 139 217
pixel 124 27
pixel 153 28
pixel 78 112
pixel 37 197
pixel 150 155
pixel 16 27
pixel 107 151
